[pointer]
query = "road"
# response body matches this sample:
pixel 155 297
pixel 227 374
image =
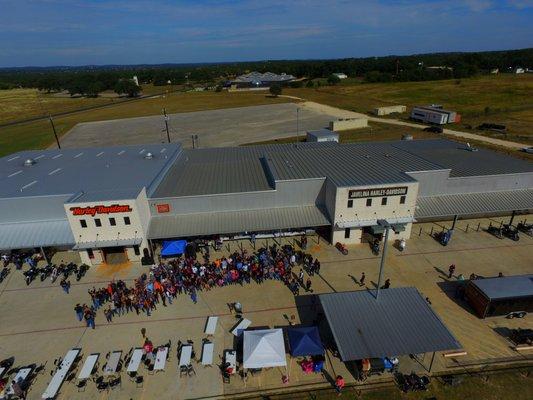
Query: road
pixel 340 113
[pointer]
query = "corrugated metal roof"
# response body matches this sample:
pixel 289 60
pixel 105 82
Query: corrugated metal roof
pixel 401 322
pixel 36 234
pixel 474 203
pixel 462 162
pixel 348 164
pixel 213 223
pixel 220 170
pixel 507 286
pixel 97 171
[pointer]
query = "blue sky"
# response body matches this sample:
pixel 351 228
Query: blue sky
pixel 80 32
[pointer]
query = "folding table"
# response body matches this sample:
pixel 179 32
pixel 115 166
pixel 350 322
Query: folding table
pixel 241 326
pixel 161 358
pixel 61 374
pixel 88 366
pixel 20 377
pixel 135 360
pixel 211 325
pixel 185 355
pixel 112 363
pixel 207 353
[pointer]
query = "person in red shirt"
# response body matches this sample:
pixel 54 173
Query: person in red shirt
pixel 339 384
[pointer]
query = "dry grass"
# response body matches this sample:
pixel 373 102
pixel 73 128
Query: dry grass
pixel 38 134
pixel 505 99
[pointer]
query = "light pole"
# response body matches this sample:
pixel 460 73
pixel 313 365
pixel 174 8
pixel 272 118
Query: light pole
pixel 385 224
pixel 297 124
pixel 166 124
pixel 54 129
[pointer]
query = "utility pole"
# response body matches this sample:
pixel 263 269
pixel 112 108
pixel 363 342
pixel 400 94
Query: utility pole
pixel 54 129
pixel 297 124
pixel 166 124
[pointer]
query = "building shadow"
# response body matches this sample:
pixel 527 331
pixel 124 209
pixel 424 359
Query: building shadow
pixel 455 290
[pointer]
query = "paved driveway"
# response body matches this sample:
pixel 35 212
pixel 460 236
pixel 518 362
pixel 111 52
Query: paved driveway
pixel 38 323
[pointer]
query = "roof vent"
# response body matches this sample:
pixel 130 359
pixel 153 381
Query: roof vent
pixel 149 156
pixel 29 162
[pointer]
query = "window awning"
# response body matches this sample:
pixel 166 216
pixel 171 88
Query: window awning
pixel 27 235
pixel 474 203
pixel 101 244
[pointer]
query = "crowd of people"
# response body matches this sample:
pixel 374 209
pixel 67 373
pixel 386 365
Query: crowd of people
pixel 189 275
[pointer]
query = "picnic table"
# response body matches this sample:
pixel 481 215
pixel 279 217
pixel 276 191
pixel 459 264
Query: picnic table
pixel 20 378
pixel 241 326
pixel 135 360
pixel 61 374
pixel 211 325
pixel 185 355
pixel 207 353
pixel 112 363
pixel 161 358
pixel 88 366
pixel 230 357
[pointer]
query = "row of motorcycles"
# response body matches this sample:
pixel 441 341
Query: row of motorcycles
pixel 510 231
pixel 412 382
pixel 53 271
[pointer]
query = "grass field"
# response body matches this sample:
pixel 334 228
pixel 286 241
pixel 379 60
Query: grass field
pixel 505 99
pixel 39 134
pixel 21 104
pixel 502 386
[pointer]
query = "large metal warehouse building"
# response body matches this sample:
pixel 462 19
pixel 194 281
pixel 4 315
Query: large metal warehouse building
pixel 100 201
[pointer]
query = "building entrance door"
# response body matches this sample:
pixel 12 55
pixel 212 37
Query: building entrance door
pixel 115 255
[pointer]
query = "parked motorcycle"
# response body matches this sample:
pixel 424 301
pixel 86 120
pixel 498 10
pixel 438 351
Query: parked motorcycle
pixel 413 382
pixel 4 273
pixel 83 268
pixel 31 274
pixel 443 237
pixel 401 245
pixel 45 272
pixel 511 232
pixel 495 231
pixel 525 228
pixel 375 247
pixel 342 248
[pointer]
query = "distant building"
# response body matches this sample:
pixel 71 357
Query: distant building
pixel 322 135
pixel 340 75
pixel 136 80
pixel 389 110
pixel 434 114
pixel 257 79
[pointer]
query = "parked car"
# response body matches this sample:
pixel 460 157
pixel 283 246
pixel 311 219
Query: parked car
pixel 528 149
pixel 434 129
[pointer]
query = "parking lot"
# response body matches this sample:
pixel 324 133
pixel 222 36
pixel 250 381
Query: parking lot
pixel 38 323
pixel 220 128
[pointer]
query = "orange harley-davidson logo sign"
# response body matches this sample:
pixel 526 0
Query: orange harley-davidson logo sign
pixel 92 211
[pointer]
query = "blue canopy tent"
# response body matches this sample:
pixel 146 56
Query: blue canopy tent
pixel 305 341
pixel 173 247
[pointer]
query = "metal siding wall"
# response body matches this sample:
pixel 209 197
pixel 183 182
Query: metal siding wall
pixel 437 182
pixel 287 194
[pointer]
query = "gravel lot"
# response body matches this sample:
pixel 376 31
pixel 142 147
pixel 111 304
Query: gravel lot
pixel 220 128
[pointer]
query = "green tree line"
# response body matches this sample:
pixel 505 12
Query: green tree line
pixel 90 81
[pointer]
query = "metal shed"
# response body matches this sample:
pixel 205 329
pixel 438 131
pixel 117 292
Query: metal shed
pixel 401 322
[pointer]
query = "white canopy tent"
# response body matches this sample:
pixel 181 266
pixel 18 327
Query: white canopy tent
pixel 264 348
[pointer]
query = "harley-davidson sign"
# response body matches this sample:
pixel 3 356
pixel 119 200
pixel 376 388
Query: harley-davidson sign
pixel 100 209
pixel 391 191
